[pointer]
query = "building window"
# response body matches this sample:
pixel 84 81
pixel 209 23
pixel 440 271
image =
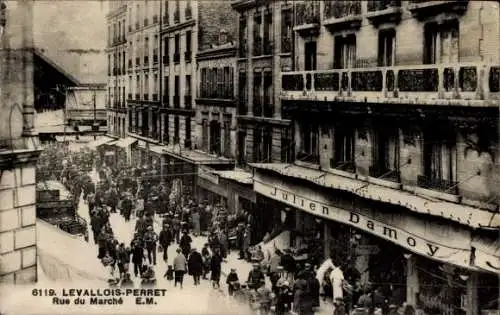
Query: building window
pixel 215 137
pixel 228 83
pixel 345 52
pixel 166 90
pixel 177 12
pixel 243 37
pixel 242 94
pixel 155 50
pixel 189 10
pixel 155 88
pixel 138 88
pixel 220 83
pixel 188 96
pixel 187 55
pixel 203 83
pixel 386 51
pixel 177 89
pixel 146 87
pixel 165 129
pixel 166 15
pixel 177 56
pixel 385 153
pixel 257 94
pixel 204 135
pixel 268 95
pixel 241 147
pixel 176 130
pixel 187 142
pixel 227 136
pixel 286 31
pixel 440 160
pixel 166 51
pixel 257 38
pixel 344 149
pixel 268 33
pixel 257 145
pixel 309 145
pixel 441 42
pixel 286 146
pixel 267 145
pixel 146 51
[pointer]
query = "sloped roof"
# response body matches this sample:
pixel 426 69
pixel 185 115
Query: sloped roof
pixel 58 68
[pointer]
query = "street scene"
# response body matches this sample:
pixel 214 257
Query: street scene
pixel 262 157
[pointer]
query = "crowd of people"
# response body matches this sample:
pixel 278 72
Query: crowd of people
pixel 138 193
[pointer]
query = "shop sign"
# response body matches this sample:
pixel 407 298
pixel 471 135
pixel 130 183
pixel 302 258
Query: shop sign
pixel 404 238
pixel 109 153
pixel 207 175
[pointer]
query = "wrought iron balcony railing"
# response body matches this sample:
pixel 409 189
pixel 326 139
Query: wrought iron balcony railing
pixel 146 96
pixel 308 12
pixel 308 157
pixel 382 172
pixel 137 96
pixel 342 9
pixel 347 166
pixel 467 83
pixel 440 184
pixel 155 59
pixel 155 97
pixel 380 5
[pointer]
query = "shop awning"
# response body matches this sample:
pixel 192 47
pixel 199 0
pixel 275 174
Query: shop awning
pixel 462 214
pixel 124 142
pixel 195 156
pixel 65 257
pixel 238 175
pixel 97 143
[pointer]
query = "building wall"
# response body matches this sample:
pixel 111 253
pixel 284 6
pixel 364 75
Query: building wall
pixel 479 31
pixel 214 16
pixel 17 178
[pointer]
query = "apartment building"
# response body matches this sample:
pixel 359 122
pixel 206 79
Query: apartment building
pixel 395 116
pixel 117 71
pixel 264 50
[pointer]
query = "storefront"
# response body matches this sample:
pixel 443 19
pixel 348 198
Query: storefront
pixel 392 248
pixel 123 148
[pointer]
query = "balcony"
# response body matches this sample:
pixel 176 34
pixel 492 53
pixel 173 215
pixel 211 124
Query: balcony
pixel 177 101
pixel 155 19
pixel 177 57
pixel 382 172
pixel 286 45
pixel 146 60
pixel 155 59
pixel 257 46
pixel 166 60
pixel 308 158
pixel 177 16
pixel 346 166
pixel 137 97
pixel 461 84
pixel 343 14
pixel 439 184
pixel 189 13
pixel 307 17
pixel 384 11
pixel 425 8
pixel 137 61
pixel 155 97
pixel 146 96
pixel 187 56
pixel 188 102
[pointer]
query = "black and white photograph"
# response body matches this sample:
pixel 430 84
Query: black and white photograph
pixel 267 157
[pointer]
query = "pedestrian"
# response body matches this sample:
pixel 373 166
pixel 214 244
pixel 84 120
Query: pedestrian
pixel 224 244
pixel 176 225
pixel 255 276
pixel 195 265
pixel 247 238
pixel 205 253
pixel 185 243
pixel 165 240
pixel 195 218
pixel 126 207
pixel 180 266
pixel 232 282
pixel 137 257
pixel 150 240
pixel 215 269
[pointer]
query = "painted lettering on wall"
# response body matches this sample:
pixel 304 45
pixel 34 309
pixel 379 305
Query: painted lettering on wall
pixel 421 244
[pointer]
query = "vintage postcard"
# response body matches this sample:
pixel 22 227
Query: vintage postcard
pixel 249 157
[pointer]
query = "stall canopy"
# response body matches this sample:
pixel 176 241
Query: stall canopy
pixel 124 142
pixel 63 257
pixel 96 143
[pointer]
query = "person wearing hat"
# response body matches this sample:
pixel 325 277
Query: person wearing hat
pixel 255 276
pixel 165 239
pixel 232 282
pixel 180 267
pixel 150 239
pixel 215 268
pixel 195 265
pixel 185 243
pixel 176 226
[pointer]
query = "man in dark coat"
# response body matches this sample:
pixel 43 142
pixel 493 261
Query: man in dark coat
pixel 165 239
pixel 185 244
pixel 150 240
pixel 215 269
pixel 127 208
pixel 254 277
pixel 137 257
pixel 195 265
